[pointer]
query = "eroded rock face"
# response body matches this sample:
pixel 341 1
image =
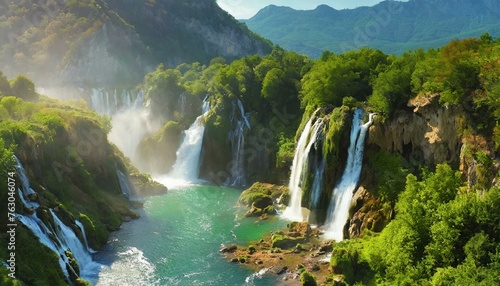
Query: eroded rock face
pixel 106 56
pixel 116 42
pixel 366 214
pixel 428 135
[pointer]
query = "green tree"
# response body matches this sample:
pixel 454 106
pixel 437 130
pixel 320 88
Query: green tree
pixel 24 88
pixel 5 88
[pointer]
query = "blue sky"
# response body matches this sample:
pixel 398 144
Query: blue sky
pixel 244 9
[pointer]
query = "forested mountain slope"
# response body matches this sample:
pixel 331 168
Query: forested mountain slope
pixel 109 42
pixel 391 26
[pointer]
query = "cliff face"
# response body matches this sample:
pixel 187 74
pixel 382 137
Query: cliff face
pixel 112 53
pixel 116 42
pixel 428 135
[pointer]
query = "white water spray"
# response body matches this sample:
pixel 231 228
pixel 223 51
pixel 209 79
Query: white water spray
pixel 57 236
pixel 338 209
pixel 237 177
pixel 187 164
pixel 299 168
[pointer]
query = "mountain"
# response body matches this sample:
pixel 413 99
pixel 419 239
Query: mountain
pixel 391 26
pixel 110 42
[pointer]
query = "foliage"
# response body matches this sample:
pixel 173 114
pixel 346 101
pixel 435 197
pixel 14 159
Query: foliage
pixel 390 175
pixel 307 279
pixel 440 236
pixel 347 75
pixel 70 165
pixel 24 88
pixel 44 38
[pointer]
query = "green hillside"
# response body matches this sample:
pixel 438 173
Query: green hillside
pixel 108 42
pixel 391 26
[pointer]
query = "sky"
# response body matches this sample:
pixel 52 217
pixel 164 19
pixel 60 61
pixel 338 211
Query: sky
pixel 244 9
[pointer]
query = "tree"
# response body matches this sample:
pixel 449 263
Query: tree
pixel 5 88
pixel 24 88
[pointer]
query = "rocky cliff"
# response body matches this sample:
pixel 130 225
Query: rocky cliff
pixel 427 135
pixel 110 42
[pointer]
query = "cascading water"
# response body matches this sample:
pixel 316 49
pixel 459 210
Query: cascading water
pixel 299 168
pixel 102 100
pixel 130 125
pixel 182 103
pixel 57 236
pixel 82 229
pixel 110 103
pixel 317 185
pixel 343 191
pixel 237 140
pixel 125 187
pixel 187 164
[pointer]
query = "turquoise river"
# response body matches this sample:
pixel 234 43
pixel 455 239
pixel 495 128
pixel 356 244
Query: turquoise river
pixel 177 240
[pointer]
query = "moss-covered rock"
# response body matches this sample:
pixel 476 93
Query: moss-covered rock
pixel 260 197
pixel 307 279
pixel 263 195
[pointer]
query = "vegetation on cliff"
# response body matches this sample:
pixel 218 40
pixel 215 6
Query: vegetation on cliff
pixel 108 42
pixel 423 218
pixel 70 164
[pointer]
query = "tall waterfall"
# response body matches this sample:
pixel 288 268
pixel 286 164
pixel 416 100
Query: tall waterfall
pixel 299 168
pixel 187 164
pixel 55 234
pixel 237 140
pixel 343 191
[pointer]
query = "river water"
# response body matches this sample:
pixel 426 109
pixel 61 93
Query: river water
pixel 177 241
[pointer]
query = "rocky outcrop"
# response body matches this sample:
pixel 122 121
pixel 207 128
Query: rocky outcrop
pixel 261 199
pixel 428 135
pixel 366 213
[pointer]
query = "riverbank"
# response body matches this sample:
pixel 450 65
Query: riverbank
pixel 287 254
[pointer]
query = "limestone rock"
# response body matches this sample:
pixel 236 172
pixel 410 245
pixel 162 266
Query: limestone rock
pixel 429 135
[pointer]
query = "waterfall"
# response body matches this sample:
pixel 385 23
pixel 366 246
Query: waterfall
pixel 125 187
pixel 343 191
pixel 130 125
pixel 99 99
pixel 69 241
pixel 56 236
pixel 25 191
pixel 82 228
pixel 187 164
pixel 317 184
pixel 182 103
pixel 299 168
pixel 106 103
pixel 237 141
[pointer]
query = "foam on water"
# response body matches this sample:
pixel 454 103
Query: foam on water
pixel 130 268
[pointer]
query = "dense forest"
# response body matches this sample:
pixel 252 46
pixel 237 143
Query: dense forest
pixel 437 209
pixel 430 174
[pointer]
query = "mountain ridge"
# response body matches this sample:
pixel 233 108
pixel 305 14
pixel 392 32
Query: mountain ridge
pixel 391 26
pixel 110 42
